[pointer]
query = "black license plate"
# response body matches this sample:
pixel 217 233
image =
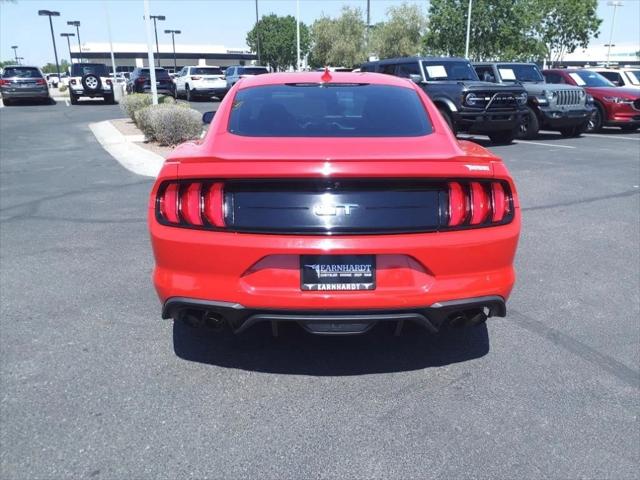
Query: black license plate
pixel 337 273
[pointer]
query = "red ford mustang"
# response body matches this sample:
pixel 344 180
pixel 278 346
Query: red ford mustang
pixel 337 201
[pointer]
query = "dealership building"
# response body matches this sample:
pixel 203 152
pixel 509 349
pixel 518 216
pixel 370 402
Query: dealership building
pixel 621 54
pixel 131 55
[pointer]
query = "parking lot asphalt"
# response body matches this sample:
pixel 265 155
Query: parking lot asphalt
pixel 95 385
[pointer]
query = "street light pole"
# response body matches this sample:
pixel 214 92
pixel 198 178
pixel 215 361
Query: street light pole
pixel 258 34
pixel 49 13
pixel 152 71
pixel 298 34
pixel 615 5
pixel 173 42
pixel 15 52
pixel 466 47
pixel 368 26
pixel 155 28
pixel 76 23
pixel 68 43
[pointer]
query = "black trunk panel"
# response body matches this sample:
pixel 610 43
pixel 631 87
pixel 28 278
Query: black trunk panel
pixel 323 207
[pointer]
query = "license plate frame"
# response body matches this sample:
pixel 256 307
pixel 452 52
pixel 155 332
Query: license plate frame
pixel 337 273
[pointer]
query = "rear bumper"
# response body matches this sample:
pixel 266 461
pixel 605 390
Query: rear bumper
pixel 92 93
pixel 209 91
pixel 261 273
pixel 162 89
pixel 25 93
pixel 334 322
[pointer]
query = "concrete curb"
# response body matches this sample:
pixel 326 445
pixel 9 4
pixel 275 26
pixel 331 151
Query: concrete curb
pixel 131 156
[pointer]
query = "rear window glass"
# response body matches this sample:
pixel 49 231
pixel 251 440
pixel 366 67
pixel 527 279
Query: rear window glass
pixel 328 110
pixel 252 71
pixel 206 71
pixel 160 72
pixel 79 69
pixel 21 72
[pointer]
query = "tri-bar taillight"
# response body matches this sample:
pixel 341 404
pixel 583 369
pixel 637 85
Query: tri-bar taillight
pixel 367 206
pixel 479 203
pixel 191 204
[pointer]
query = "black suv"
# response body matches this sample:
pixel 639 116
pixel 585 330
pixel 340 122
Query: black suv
pixel 466 103
pixel 140 81
pixel 90 80
pixel 553 107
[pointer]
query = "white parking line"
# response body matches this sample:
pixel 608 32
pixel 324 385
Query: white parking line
pixel 543 144
pixel 621 137
pixel 67 102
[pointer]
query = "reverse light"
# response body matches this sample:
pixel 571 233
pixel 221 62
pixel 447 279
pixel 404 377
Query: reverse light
pixel 478 203
pixel 191 204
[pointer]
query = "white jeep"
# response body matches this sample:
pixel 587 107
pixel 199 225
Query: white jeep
pixel 90 80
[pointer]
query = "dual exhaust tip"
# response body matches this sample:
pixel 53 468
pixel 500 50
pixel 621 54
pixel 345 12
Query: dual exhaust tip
pixel 467 318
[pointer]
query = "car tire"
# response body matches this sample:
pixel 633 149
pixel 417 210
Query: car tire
pixel 629 128
pixel 596 121
pixel 447 118
pixel 109 99
pixel 73 98
pixel 529 127
pixel 7 102
pixel 503 137
pixel 187 93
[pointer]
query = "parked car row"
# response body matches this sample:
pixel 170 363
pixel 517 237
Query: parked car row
pixel 508 100
pixel 504 100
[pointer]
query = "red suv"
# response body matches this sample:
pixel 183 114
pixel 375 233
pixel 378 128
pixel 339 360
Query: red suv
pixel 615 106
pixel 337 201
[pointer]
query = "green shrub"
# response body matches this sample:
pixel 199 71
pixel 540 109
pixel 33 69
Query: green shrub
pixel 143 121
pixel 133 102
pixel 169 124
pixel 175 124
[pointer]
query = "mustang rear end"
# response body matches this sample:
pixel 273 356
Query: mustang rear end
pixel 336 201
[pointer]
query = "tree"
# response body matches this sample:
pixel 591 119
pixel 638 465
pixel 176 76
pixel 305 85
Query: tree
pixel 401 35
pixel 500 29
pixel 339 41
pixel 51 67
pixel 278 40
pixel 565 25
pixel 4 63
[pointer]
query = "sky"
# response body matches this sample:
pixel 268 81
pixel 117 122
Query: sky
pixel 218 22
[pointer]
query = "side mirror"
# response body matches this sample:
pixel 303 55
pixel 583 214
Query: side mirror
pixel 415 78
pixel 207 117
